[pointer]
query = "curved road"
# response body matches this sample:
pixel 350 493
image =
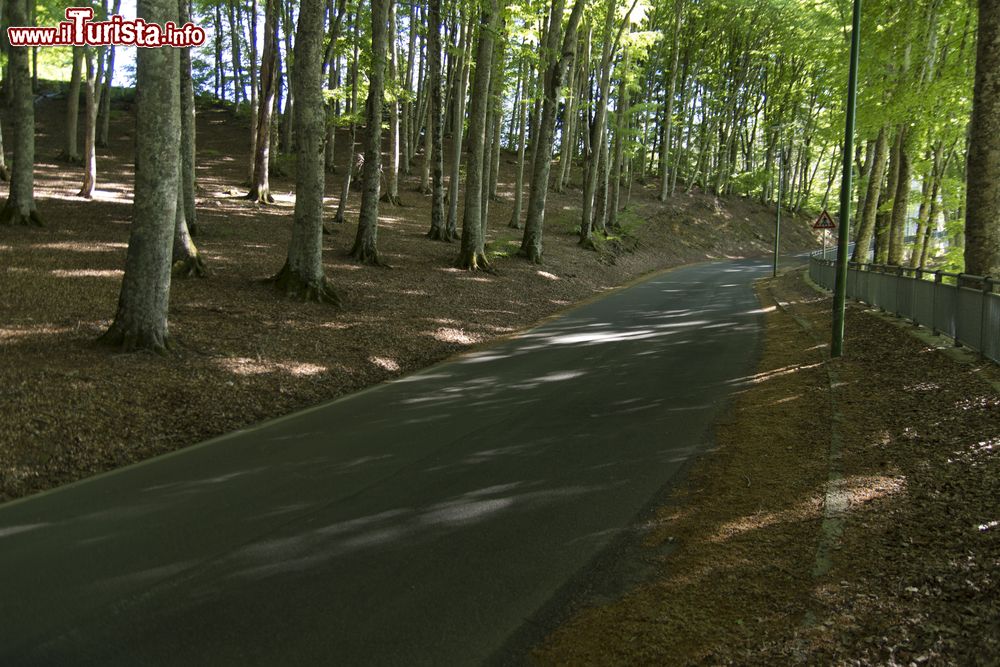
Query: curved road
pixel 424 521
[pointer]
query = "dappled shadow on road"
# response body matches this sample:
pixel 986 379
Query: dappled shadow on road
pixel 558 435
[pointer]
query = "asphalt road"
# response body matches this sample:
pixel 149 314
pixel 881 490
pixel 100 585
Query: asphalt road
pixel 424 521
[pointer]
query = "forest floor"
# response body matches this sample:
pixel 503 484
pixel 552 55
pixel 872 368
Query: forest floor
pixel 759 558
pixel 243 354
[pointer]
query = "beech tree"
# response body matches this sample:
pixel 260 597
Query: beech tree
pixel 982 228
pixel 141 319
pixel 260 185
pixel 473 254
pixel 366 242
pixel 20 206
pixel 439 229
pixel 302 276
pixel 555 72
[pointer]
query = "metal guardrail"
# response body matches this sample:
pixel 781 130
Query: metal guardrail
pixel 961 306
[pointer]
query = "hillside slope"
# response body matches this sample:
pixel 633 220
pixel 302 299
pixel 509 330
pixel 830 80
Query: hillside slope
pixel 242 354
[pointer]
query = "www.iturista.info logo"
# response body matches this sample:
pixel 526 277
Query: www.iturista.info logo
pixel 79 30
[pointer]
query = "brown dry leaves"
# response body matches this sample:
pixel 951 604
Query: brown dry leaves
pixel 915 573
pixel 242 353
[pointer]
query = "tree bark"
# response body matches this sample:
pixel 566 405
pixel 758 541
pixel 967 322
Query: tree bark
pixel 458 130
pixel 866 225
pixel 438 230
pixel 392 179
pixel 141 319
pixel 473 254
pixel 900 203
pixel 302 276
pixel 72 153
pixel 20 207
pixel 89 129
pixel 345 189
pixel 554 74
pixel 365 248
pixel 260 187
pixel 982 194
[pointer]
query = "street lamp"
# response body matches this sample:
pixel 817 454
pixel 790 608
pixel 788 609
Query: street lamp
pixel 840 284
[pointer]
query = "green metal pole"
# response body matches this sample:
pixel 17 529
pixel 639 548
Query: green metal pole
pixel 777 218
pixel 840 285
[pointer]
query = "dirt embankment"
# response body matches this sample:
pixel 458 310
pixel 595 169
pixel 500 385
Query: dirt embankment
pixel 848 514
pixel 242 353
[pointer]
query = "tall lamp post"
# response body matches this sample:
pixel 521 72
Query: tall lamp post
pixel 840 285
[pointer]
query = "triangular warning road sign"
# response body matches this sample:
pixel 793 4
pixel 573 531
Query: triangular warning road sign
pixel 824 221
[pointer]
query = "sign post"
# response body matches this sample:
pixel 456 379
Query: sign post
pixel 826 223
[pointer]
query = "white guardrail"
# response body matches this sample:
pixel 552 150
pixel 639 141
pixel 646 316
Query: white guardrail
pixel 961 306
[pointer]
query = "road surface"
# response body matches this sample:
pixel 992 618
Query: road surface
pixel 424 521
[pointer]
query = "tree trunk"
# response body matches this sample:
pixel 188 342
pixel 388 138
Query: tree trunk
pixel 254 88
pixel 392 179
pixel 438 230
pixel 260 187
pixel 473 254
pixel 982 193
pixel 20 206
pixel 287 134
pixel 554 73
pixel 522 122
pixel 900 203
pixel 866 225
pixel 89 129
pixel 883 218
pixel 668 112
pixel 188 134
pixel 72 153
pixel 366 242
pixel 458 130
pixel 345 189
pixel 141 319
pixel 302 277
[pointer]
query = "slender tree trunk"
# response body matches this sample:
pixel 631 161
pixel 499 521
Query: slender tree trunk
pixel 20 206
pixel 883 218
pixel 668 112
pixel 522 122
pixel 89 129
pixel 392 180
pixel 458 130
pixel 597 139
pixel 332 83
pixel 188 134
pixel 302 277
pixel 260 187
pixel 254 88
pixel 900 204
pixel 473 254
pixel 72 153
pixel 866 225
pixel 439 228
pixel 345 189
pixel 366 242
pixel 239 94
pixel 141 319
pixel 982 192
pixel 287 134
pixel 554 74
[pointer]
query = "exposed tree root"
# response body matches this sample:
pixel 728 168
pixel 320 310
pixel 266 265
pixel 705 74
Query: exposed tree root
pixel 11 215
pixel 587 243
pixel 291 284
pixel 439 234
pixel 366 255
pixel 190 267
pixel 391 200
pixel 69 159
pixel 136 340
pixel 474 261
pixel 4 173
pixel 425 190
pixel 259 196
pixel 514 224
pixel 531 254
